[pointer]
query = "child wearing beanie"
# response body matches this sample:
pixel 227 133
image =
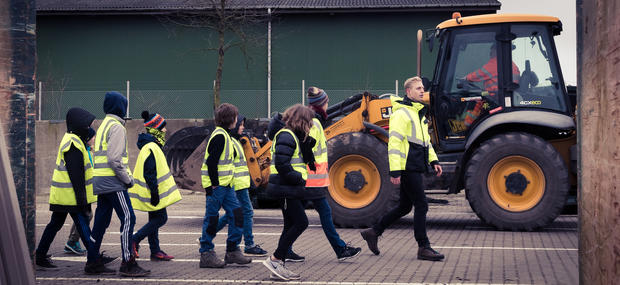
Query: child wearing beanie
pixel 318 178
pixel 317 101
pixel 155 188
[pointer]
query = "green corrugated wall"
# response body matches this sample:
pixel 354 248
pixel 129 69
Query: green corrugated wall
pixel 171 69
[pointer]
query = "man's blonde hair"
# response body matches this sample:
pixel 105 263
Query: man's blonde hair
pixel 411 80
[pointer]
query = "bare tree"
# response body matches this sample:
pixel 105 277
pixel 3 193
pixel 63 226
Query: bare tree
pixel 224 17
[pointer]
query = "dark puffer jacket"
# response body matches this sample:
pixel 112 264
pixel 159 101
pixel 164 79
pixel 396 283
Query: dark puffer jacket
pixel 284 149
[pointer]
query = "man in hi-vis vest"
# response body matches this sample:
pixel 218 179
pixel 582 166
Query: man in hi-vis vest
pixel 410 154
pixel 155 188
pixel 71 192
pixel 111 180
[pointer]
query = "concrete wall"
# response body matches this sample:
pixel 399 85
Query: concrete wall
pixel 49 133
pixel 599 130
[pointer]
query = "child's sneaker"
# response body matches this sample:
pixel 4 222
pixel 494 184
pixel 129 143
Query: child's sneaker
pixel 236 257
pixel 294 257
pixel 255 250
pixel 74 247
pixel 348 252
pixel 161 256
pixel 277 268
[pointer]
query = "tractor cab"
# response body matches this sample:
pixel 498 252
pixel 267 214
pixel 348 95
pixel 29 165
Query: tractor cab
pixel 493 64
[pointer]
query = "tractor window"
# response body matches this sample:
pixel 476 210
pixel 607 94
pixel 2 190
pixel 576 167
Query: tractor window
pixel 539 83
pixel 469 89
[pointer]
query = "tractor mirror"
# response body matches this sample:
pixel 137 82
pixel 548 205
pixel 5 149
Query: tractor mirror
pixel 426 83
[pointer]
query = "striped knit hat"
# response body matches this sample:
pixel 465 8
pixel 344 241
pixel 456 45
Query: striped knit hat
pixel 155 121
pixel 317 97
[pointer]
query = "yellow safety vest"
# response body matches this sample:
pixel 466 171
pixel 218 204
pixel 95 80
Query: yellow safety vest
pixel 61 190
pixel 320 177
pixel 225 166
pixel 140 194
pixel 102 168
pixel 296 161
pixel 407 126
pixel 241 174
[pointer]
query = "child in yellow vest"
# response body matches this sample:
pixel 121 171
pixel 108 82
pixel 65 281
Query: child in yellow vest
pixel 155 188
pixel 71 192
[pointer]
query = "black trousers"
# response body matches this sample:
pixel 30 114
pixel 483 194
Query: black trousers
pixel 295 223
pixel 56 222
pixel 411 194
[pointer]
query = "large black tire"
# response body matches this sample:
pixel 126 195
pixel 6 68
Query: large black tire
pixel 359 162
pixel 496 184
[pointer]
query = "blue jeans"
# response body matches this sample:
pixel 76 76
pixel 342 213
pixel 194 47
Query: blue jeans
pixel 151 229
pixel 243 196
pixel 222 197
pixel 325 214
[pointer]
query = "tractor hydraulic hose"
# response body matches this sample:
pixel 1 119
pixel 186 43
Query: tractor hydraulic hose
pixel 376 128
pixel 341 105
pixel 344 111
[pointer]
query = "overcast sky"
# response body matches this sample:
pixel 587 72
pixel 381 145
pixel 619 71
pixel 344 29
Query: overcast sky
pixel 567 41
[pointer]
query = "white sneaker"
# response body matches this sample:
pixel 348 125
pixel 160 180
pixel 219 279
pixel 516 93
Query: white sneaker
pixel 291 275
pixel 277 268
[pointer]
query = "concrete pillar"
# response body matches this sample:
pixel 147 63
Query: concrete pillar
pixel 598 61
pixel 17 112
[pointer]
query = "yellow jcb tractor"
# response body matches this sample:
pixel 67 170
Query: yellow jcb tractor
pixel 502 124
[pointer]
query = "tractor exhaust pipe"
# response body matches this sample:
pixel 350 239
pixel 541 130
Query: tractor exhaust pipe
pixel 419 62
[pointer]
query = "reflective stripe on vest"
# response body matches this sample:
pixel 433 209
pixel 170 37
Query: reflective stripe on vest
pixel 102 167
pixel 241 179
pixel 397 156
pixel 167 190
pixel 413 138
pixel 296 161
pixel 61 189
pixel 225 166
pixel 320 177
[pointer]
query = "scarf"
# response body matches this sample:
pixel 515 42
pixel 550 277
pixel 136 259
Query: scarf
pixel 158 135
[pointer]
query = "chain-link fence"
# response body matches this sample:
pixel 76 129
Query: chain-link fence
pixel 183 104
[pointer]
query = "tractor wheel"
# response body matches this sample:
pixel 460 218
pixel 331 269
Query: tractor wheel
pixel 516 181
pixel 360 190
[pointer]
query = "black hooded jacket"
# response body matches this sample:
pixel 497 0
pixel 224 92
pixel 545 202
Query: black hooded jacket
pixel 150 167
pixel 78 122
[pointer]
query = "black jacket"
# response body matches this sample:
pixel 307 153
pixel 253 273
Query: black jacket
pixel 78 122
pixel 215 149
pixel 284 149
pixel 150 167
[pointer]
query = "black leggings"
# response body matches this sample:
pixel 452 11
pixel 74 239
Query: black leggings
pixel 295 223
pixel 411 194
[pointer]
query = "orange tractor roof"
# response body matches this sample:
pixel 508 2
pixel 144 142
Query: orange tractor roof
pixel 494 19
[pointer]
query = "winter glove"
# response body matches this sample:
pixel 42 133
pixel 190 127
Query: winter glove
pixel 154 200
pixel 209 191
pixel 306 152
pixel 130 184
pixel 154 197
